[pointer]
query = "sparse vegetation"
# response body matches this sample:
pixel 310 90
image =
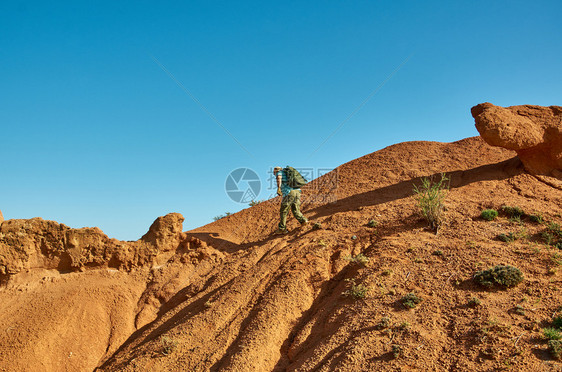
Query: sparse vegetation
pixel 536 218
pixel 555 347
pixel 508 238
pixel 513 212
pixel 500 275
pixel 254 202
pixel 489 214
pixel 410 300
pixel 387 272
pixel 357 291
pixel 168 345
pixel 360 259
pixel 430 196
pixel 396 350
pixel 383 323
pixel 553 235
pixel 216 218
pixel 372 223
pixel 519 310
pixel 437 252
pixel 317 226
pixel 474 302
pixel 403 326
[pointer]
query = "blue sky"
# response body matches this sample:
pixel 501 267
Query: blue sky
pixel 96 132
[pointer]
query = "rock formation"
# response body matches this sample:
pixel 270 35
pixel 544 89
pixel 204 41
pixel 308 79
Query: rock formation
pixel 534 132
pixel 1 217
pixel 37 243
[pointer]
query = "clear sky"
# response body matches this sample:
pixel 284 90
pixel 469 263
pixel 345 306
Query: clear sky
pixel 113 113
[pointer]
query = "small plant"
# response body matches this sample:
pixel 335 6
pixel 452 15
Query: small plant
pixel 520 310
pixel 536 218
pixel 500 275
pixel 226 214
pixel 396 350
pixel 372 223
pixel 553 235
pixel 317 226
pixel 360 259
pixel 410 300
pixel 322 243
pixel 403 326
pixel 556 258
pixel 430 196
pixel 254 202
pixel 552 334
pixel 489 214
pixel 387 272
pixel 356 291
pixel 474 302
pixel 383 323
pixel 168 345
pixel 515 219
pixel 508 238
pixel 437 252
pixel 555 347
pixel 513 212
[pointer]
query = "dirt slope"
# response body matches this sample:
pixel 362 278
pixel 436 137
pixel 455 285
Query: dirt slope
pixel 229 296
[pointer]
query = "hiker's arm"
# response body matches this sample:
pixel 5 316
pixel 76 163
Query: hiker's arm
pixel 279 184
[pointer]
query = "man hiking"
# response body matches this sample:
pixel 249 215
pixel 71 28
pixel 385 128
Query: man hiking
pixel 289 182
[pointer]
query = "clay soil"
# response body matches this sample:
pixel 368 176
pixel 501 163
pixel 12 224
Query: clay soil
pixel 229 296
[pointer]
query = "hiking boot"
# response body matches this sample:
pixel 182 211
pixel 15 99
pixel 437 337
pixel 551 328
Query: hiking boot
pixel 281 231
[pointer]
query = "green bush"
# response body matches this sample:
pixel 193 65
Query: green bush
pixel 489 214
pixel 372 223
pixel 430 196
pixel 410 300
pixel 552 334
pixel 500 275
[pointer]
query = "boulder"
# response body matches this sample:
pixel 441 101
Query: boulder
pixel 534 132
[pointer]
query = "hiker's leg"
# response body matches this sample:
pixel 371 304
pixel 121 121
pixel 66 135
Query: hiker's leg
pixel 295 206
pixel 284 211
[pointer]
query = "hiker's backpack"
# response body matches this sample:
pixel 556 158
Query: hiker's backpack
pixel 294 178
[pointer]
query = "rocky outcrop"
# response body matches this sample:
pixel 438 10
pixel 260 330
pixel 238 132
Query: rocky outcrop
pixel 37 243
pixel 534 132
pixel 166 232
pixel 1 218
